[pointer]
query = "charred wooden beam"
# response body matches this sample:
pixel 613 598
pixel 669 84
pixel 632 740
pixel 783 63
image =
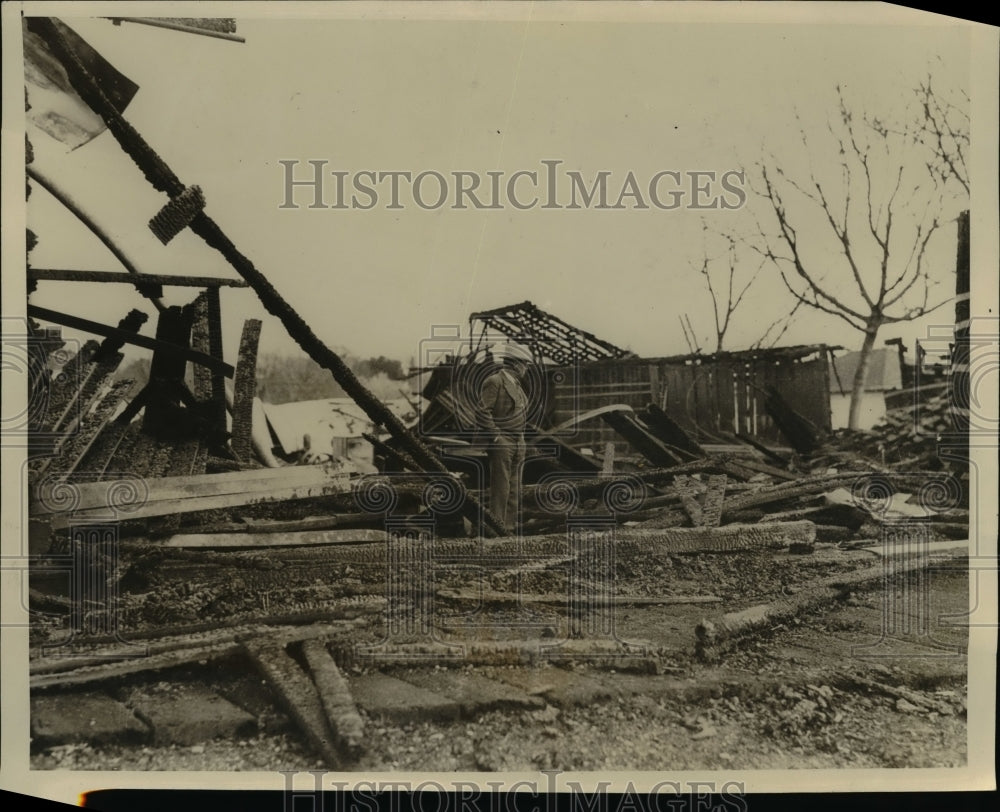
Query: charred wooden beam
pixel 210 390
pixel 244 391
pixel 395 459
pixel 137 279
pixel 641 439
pixel 361 520
pixel 770 453
pixel 688 494
pixel 335 695
pixel 802 434
pixel 96 328
pixel 667 430
pixel 64 388
pixel 713 637
pixel 299 695
pixel 72 453
pixel 166 369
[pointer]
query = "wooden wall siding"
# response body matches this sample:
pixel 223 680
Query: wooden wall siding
pixel 708 399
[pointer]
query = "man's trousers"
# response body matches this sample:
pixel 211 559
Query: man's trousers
pixel 506 458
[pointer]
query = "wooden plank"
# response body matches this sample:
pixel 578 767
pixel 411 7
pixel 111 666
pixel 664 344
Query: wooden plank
pixel 764 468
pixel 97 665
pixel 491 596
pixel 217 418
pixel 301 538
pixel 136 664
pixel 194 504
pixel 669 431
pixel 65 275
pixel 166 370
pixel 259 481
pixel 188 494
pixel 127 337
pixel 294 525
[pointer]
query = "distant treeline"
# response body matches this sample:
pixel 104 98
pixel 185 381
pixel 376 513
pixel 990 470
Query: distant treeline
pixel 283 379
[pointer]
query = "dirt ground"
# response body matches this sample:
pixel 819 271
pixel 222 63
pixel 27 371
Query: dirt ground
pixel 818 691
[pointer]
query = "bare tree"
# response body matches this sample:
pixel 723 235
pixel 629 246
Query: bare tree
pixel 726 294
pixel 728 281
pixel 855 244
pixel 942 128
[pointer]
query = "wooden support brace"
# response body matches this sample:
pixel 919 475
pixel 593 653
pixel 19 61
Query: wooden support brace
pixel 244 391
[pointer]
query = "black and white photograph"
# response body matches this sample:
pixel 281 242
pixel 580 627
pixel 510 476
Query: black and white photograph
pixel 595 396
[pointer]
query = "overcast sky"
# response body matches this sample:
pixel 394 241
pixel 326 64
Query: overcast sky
pixel 479 96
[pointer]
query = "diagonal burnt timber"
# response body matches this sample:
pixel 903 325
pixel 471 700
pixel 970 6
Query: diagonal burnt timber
pixel 670 432
pixel 341 712
pixel 96 328
pixel 298 694
pixel 162 178
pixel 641 439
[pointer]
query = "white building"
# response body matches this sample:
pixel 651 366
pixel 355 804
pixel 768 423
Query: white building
pixel 884 375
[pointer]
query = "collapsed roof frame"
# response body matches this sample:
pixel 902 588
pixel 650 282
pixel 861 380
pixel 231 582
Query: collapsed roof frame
pixel 548 336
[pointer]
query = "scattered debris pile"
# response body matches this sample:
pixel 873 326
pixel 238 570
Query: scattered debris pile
pixel 189 543
pixel 907 439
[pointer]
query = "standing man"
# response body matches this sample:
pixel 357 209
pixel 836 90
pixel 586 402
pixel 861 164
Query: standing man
pixel 503 417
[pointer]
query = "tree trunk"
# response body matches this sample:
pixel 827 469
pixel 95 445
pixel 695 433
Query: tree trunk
pixel 861 373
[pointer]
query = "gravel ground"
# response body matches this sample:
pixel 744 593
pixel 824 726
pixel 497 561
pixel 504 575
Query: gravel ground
pixel 790 722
